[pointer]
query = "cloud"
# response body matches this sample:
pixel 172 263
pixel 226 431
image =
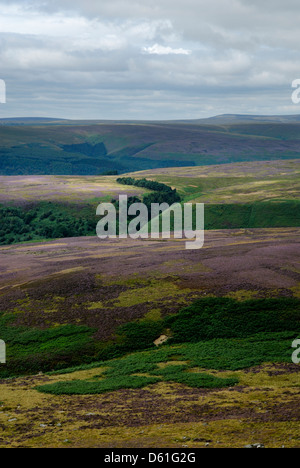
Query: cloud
pixel 135 59
pixel 157 49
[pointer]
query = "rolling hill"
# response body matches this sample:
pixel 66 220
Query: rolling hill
pixel 62 147
pixel 82 317
pixel 79 317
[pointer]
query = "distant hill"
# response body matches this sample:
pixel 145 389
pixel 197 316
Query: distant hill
pixel 227 119
pixel 64 147
pixel 215 120
pixel 29 121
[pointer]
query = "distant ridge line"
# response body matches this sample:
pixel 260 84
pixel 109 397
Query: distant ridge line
pixel 222 119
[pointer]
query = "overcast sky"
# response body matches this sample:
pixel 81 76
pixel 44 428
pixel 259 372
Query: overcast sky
pixel 159 59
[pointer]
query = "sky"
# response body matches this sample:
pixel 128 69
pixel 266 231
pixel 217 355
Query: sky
pixel 141 60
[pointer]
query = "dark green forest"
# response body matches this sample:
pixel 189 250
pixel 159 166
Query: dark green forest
pixel 45 221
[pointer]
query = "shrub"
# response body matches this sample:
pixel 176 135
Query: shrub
pixel 212 318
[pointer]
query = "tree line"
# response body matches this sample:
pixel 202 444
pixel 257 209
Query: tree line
pixel 162 193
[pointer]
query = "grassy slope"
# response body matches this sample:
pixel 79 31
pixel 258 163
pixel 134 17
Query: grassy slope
pixel 41 149
pixel 247 195
pixel 232 183
pixel 228 183
pixel 252 195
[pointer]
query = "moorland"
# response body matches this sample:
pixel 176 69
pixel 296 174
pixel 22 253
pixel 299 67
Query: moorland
pixel 43 147
pixel 81 316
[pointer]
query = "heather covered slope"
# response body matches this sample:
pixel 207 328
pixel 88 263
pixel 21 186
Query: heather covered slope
pixel 80 315
pixel 76 292
pixel 73 190
pixel 67 301
pixel 90 148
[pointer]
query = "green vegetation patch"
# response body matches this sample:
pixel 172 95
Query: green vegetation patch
pixel 253 215
pixel 31 350
pixel 217 334
pixel 212 333
pixel 180 375
pixel 46 220
pixel 237 354
pixel 162 192
pixel 81 387
pixel 124 373
pixel 212 318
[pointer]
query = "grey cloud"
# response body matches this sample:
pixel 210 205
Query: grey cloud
pixel 141 59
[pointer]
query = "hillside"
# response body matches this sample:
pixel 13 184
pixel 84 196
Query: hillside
pixel 99 305
pixel 236 196
pixel 62 301
pixel 140 342
pixel 232 183
pixel 45 146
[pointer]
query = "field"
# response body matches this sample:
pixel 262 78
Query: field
pixel 24 190
pixel 226 183
pixel 233 183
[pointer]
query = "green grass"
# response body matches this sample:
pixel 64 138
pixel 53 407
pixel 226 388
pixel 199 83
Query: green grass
pixel 213 334
pixel 196 380
pixel 249 215
pixel 256 215
pixel 260 328
pixel 80 387
pixel 212 318
pixel 219 354
pixel 31 350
